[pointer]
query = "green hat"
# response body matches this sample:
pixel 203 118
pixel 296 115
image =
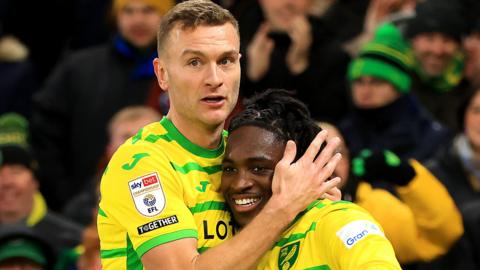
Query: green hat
pixel 22 248
pixel 13 130
pixel 388 56
pixel 14 146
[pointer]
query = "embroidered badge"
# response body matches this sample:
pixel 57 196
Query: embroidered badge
pixel 288 256
pixel 148 195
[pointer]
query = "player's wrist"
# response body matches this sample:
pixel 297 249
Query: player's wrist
pixel 280 210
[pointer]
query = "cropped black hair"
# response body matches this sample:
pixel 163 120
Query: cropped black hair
pixel 277 111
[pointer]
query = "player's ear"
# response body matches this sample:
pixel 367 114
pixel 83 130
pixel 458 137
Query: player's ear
pixel 161 73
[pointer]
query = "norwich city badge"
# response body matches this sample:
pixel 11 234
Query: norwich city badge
pixel 288 256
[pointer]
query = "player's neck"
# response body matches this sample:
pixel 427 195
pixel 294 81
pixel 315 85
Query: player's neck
pixel 208 137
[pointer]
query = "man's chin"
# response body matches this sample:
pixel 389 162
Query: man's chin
pixel 141 44
pixel 434 69
pixel 216 119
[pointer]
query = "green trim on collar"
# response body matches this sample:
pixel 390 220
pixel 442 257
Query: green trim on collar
pixel 175 134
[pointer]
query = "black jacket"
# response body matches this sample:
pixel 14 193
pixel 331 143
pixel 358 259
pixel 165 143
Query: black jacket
pixel 465 254
pixel 443 106
pixel 71 113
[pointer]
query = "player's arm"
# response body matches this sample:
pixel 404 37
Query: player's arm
pixel 294 186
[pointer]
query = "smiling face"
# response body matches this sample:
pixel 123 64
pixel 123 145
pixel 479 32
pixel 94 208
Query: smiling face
pixel 248 168
pixel 17 188
pixel 200 69
pixel 434 52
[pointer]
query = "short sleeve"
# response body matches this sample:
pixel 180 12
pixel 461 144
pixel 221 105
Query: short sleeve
pixel 142 195
pixel 355 241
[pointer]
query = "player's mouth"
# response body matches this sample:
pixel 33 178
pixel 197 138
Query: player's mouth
pixel 244 203
pixel 139 30
pixel 214 100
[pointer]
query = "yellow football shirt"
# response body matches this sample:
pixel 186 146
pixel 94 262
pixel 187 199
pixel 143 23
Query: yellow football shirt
pixel 159 187
pixel 332 236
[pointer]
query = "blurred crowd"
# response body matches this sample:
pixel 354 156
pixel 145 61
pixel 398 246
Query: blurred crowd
pixel 399 80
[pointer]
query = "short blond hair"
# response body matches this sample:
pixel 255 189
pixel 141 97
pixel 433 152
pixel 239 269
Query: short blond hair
pixel 190 15
pixel 132 113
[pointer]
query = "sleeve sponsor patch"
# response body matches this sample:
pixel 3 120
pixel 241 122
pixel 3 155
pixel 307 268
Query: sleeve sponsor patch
pixel 147 194
pixel 157 224
pixel 356 231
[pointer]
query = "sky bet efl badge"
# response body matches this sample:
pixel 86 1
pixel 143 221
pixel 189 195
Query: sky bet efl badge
pixel 147 193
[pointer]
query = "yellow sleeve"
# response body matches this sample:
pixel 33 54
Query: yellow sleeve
pixel 438 220
pixel 426 216
pixel 355 241
pixel 142 196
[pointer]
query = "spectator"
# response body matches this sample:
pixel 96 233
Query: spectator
pixel 397 12
pixel 283 47
pixel 416 211
pixel 20 248
pixel 43 26
pixel 85 256
pixel 126 123
pixel 457 165
pixel 21 204
pixel 347 16
pixel 123 125
pixel 471 45
pixel 85 90
pixel 90 258
pixel 435 34
pixel 17 79
pixel 385 115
